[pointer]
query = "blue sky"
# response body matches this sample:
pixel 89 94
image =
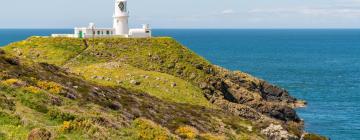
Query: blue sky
pixel 184 13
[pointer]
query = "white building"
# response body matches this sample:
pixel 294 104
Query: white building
pixel 120 26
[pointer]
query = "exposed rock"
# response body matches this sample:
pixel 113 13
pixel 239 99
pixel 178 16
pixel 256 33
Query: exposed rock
pixel 241 88
pixel 173 85
pixel 171 66
pixel 313 137
pixel 115 106
pixel 39 134
pixel 70 95
pixel 12 61
pixel 203 85
pixel 2 52
pixel 238 109
pixel 277 132
pixel 192 76
pixel 55 100
pixel 108 79
pixel 135 82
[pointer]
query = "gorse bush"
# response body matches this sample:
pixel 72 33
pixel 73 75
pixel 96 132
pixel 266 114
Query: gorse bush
pixel 52 87
pixel 13 82
pixel 78 124
pixel 32 89
pixel 187 132
pixel 143 129
pixel 66 127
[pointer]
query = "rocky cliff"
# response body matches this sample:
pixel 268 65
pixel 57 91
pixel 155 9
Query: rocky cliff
pixel 62 88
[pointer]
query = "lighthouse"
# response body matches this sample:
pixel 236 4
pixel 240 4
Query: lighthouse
pixel 121 18
pixel 120 27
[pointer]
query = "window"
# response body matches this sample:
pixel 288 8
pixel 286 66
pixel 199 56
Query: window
pixel 107 32
pixel 102 32
pixel 147 32
pixel 98 32
pixel 122 6
pixel 94 33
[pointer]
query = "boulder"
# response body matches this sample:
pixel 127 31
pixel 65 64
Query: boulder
pixel 2 52
pixel 39 134
pixel 173 84
pixel 135 82
pixel 277 132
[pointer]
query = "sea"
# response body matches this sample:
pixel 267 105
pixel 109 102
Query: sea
pixel 321 66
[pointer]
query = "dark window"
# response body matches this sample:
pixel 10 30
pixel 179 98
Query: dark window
pixel 94 32
pixel 107 32
pixel 122 6
pixel 147 31
pixel 98 32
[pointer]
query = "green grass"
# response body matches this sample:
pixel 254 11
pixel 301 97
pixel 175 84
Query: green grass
pixel 12 132
pixel 160 85
pixel 164 69
pixel 50 50
pixel 162 59
pixel 7 119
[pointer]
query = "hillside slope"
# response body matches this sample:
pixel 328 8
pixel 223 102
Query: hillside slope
pixel 153 81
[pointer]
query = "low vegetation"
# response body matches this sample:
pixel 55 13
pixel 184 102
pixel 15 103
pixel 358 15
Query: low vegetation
pixel 39 100
pixel 119 88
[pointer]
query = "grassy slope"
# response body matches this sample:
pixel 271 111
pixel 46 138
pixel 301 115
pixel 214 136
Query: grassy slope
pixel 157 58
pixel 41 106
pixel 157 84
pixel 30 99
pixel 162 67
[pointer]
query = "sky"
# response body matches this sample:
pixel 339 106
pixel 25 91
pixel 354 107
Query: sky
pixel 184 13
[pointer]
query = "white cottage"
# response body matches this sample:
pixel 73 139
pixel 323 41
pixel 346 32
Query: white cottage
pixel 120 26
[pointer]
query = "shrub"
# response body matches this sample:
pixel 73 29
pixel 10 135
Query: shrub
pixel 187 132
pixel 7 119
pixel 37 102
pixel 209 136
pixel 3 75
pixel 50 86
pixel 79 124
pixel 6 103
pixel 66 127
pixel 147 130
pixel 32 89
pixel 60 116
pixel 13 82
pixel 2 136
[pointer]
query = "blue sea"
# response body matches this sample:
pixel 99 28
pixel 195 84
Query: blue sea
pixel 319 66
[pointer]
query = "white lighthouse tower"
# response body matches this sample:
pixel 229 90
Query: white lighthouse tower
pixel 120 26
pixel 121 18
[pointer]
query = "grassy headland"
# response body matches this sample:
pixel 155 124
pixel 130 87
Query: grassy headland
pixel 114 88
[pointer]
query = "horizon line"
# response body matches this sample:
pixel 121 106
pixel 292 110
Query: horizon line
pixel 194 28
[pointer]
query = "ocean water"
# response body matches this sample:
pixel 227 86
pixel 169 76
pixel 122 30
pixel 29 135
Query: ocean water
pixel 319 66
